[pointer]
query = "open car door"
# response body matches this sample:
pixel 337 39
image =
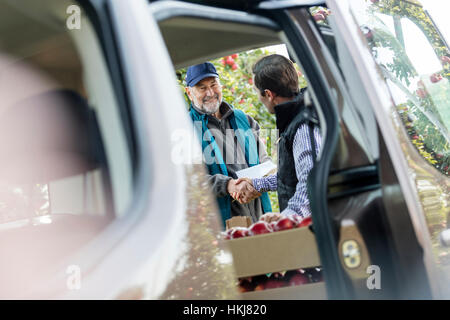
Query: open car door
pixel 370 228
pixel 379 192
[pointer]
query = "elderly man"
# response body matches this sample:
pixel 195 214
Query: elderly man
pixel 229 141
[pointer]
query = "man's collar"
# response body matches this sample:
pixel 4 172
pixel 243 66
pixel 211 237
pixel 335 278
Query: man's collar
pixel 286 111
pixel 225 110
pixel 197 109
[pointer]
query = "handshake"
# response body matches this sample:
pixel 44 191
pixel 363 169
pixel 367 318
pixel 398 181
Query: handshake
pixel 242 190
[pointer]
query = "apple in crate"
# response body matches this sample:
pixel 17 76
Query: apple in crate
pixel 285 223
pixel 245 286
pixel 227 234
pixel 259 282
pixel 305 222
pixel 435 77
pixel 239 232
pixel 260 227
pixel 298 279
pixel 259 287
pixel 272 284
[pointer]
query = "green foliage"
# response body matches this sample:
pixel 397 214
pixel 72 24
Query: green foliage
pixel 320 15
pixel 400 65
pixel 423 135
pixel 416 14
pixel 429 98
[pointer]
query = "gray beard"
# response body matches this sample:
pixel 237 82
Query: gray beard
pixel 208 112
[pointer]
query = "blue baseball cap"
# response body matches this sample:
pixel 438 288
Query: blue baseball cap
pixel 197 73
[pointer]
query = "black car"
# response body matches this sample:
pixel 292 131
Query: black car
pixel 95 205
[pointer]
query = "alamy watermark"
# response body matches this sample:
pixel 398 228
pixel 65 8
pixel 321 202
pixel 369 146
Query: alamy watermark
pixel 220 147
pixel 73 281
pixel 73 21
pixel 374 280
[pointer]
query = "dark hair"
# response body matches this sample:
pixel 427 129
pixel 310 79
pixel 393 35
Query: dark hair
pixel 276 73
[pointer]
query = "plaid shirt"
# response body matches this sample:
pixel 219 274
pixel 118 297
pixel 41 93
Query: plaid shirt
pixel 299 203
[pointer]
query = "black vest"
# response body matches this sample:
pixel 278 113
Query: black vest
pixel 290 116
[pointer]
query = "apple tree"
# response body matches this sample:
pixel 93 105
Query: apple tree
pixel 425 114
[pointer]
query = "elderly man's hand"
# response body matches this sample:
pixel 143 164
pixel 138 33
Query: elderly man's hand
pixel 242 190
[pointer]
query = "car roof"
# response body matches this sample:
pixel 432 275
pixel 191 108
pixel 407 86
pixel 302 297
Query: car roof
pixel 248 5
pixel 194 33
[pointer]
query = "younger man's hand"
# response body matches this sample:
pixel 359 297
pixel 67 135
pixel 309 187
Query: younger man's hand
pixel 242 190
pixel 270 217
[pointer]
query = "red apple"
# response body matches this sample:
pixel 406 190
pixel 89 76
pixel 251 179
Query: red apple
pixel 445 59
pixel 285 223
pixel 260 227
pixel 234 56
pixel 239 232
pixel 305 222
pixel 234 66
pixel 229 60
pixel 298 279
pixel 250 81
pixel 259 287
pixel 245 286
pixel 435 77
pixel 319 17
pixel 272 284
pixel 227 234
pixel 421 93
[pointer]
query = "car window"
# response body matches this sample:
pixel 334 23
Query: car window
pixel 415 62
pixel 65 171
pixel 358 125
